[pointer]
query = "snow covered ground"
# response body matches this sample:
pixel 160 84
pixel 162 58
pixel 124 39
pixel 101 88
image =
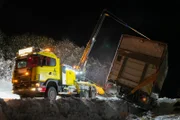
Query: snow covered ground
pixel 5 90
pixel 74 108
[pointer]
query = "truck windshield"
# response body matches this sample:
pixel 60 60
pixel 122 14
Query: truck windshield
pixel 31 61
pixel 21 64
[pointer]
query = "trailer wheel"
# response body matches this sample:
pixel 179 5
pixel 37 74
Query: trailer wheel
pixel 51 93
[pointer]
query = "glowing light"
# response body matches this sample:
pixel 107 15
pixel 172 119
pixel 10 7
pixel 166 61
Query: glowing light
pixel 42 89
pixel 30 58
pixel 15 81
pixel 144 99
pixel 47 49
pixel 66 69
pixel 37 84
pixel 106 14
pixel 33 89
pixel 27 73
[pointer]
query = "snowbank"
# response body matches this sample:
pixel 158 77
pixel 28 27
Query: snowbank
pixel 167 108
pixel 168 117
pixel 75 109
pixel 107 98
pixel 167 100
pixel 5 90
pixel 65 109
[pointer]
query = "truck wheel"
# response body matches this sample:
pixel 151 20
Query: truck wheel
pixel 51 93
pixel 93 94
pixel 86 94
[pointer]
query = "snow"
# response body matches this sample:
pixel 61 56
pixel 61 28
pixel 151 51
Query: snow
pixel 5 90
pixel 107 98
pixel 167 100
pixel 168 117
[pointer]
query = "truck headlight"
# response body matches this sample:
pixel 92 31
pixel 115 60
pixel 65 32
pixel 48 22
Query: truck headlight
pixel 37 85
pixel 26 73
pixel 79 72
pixel 14 81
pixel 33 89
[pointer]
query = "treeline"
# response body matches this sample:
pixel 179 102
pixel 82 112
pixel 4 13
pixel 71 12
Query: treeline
pixel 66 50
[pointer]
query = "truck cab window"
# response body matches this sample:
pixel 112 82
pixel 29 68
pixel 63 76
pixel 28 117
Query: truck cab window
pixel 47 61
pixel 33 61
pixel 52 62
pixel 21 64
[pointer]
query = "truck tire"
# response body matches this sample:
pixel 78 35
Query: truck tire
pixel 51 93
pixel 84 94
pixel 93 94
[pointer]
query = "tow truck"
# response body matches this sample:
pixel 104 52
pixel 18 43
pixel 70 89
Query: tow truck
pixel 39 73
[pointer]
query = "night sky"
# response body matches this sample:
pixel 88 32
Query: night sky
pixel 76 20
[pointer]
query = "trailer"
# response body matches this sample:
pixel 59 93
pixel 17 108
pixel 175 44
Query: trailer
pixel 139 69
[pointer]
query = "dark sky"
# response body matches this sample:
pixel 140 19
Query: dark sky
pixel 76 20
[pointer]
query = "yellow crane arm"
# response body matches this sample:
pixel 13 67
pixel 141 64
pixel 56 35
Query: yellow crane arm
pixel 84 55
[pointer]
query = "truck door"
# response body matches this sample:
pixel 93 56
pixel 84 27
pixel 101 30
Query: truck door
pixel 68 76
pixel 48 69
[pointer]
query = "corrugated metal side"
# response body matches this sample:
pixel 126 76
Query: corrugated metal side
pixel 135 60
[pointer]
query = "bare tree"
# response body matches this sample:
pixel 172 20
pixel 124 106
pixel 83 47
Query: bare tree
pixel 27 40
pixel 68 52
pixel 97 71
pixel 2 43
